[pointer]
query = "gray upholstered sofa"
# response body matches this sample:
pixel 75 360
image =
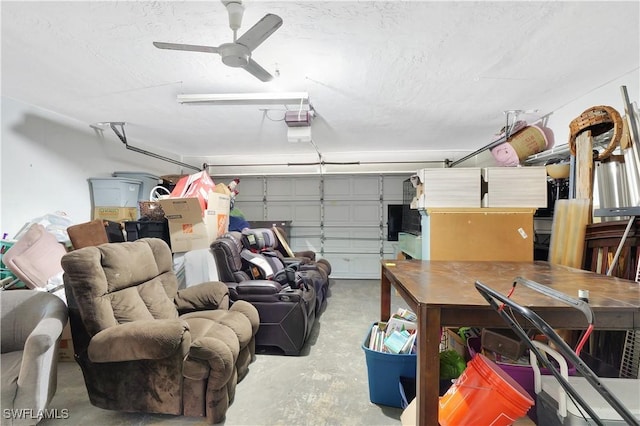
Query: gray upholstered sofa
pixel 32 323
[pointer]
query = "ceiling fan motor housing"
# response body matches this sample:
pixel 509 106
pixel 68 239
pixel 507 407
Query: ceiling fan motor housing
pixel 234 54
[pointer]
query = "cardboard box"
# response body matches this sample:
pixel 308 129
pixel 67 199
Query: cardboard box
pixel 408 416
pixel 456 343
pixel 198 185
pixel 187 229
pixel 115 214
pixel 65 352
pixel 216 217
pixel 66 332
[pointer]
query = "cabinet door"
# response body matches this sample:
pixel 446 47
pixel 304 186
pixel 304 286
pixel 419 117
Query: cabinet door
pixel 482 235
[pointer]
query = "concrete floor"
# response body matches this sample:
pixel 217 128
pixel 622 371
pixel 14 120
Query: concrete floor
pixel 326 385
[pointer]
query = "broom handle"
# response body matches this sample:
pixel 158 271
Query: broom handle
pixel 619 249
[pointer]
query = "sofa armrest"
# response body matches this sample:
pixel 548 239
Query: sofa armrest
pixel 259 287
pixel 292 262
pixel 295 261
pixel 44 336
pixel 210 295
pixel 148 339
pixel 307 254
pixel 266 290
pixel 36 367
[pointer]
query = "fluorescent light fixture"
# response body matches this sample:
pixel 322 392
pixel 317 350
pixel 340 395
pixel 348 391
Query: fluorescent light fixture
pixel 247 98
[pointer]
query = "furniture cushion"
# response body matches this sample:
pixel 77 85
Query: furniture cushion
pixel 35 257
pixel 127 297
pixel 153 339
pixel 126 266
pixel 236 321
pixel 88 234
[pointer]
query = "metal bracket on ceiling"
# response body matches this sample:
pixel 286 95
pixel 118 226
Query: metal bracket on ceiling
pixel 118 129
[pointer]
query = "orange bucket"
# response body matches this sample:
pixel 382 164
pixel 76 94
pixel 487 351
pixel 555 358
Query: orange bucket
pixel 483 395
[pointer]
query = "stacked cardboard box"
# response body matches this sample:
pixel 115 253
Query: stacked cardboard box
pixel 65 353
pixel 191 228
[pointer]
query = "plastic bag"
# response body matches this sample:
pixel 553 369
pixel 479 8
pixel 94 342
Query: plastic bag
pixel 55 223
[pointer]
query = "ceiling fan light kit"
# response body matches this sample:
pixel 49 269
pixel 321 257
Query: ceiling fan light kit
pixel 236 10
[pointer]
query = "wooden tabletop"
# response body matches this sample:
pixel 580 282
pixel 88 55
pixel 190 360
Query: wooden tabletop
pixel 450 285
pixel 443 293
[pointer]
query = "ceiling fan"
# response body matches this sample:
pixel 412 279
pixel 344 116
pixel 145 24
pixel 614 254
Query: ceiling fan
pixel 238 53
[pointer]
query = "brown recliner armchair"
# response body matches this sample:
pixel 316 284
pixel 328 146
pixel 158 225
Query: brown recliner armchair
pixel 143 345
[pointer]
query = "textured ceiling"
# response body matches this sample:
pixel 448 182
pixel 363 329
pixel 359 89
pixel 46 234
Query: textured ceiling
pixel 407 80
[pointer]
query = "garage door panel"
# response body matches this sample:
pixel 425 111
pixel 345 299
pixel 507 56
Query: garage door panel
pixel 337 187
pixel 366 187
pixel 355 213
pixel 390 248
pixel 337 216
pixel 288 189
pixel 305 238
pixel 303 244
pixel 252 210
pixel 393 188
pixel 250 189
pixel 352 188
pixel 302 213
pixel 368 247
pixel 366 240
pixel 336 213
pixel 361 266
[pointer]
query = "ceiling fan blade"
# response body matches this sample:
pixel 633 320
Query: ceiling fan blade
pixel 260 31
pixel 187 47
pixel 258 71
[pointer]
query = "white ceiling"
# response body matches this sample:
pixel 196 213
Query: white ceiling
pixel 409 80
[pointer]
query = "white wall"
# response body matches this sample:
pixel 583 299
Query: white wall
pixel 607 94
pixel 46 160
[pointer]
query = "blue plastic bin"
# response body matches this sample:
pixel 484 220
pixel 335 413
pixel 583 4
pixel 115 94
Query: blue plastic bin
pixel 384 371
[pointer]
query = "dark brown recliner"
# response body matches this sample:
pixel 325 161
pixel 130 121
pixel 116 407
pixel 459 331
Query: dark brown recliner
pixel 287 312
pixel 265 242
pixel 143 345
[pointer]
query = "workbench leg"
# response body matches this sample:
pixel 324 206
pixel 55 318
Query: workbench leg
pixel 428 366
pixel 385 297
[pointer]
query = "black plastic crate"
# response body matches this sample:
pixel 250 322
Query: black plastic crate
pixel 147 229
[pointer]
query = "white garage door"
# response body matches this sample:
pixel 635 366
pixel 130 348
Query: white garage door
pixel 343 218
